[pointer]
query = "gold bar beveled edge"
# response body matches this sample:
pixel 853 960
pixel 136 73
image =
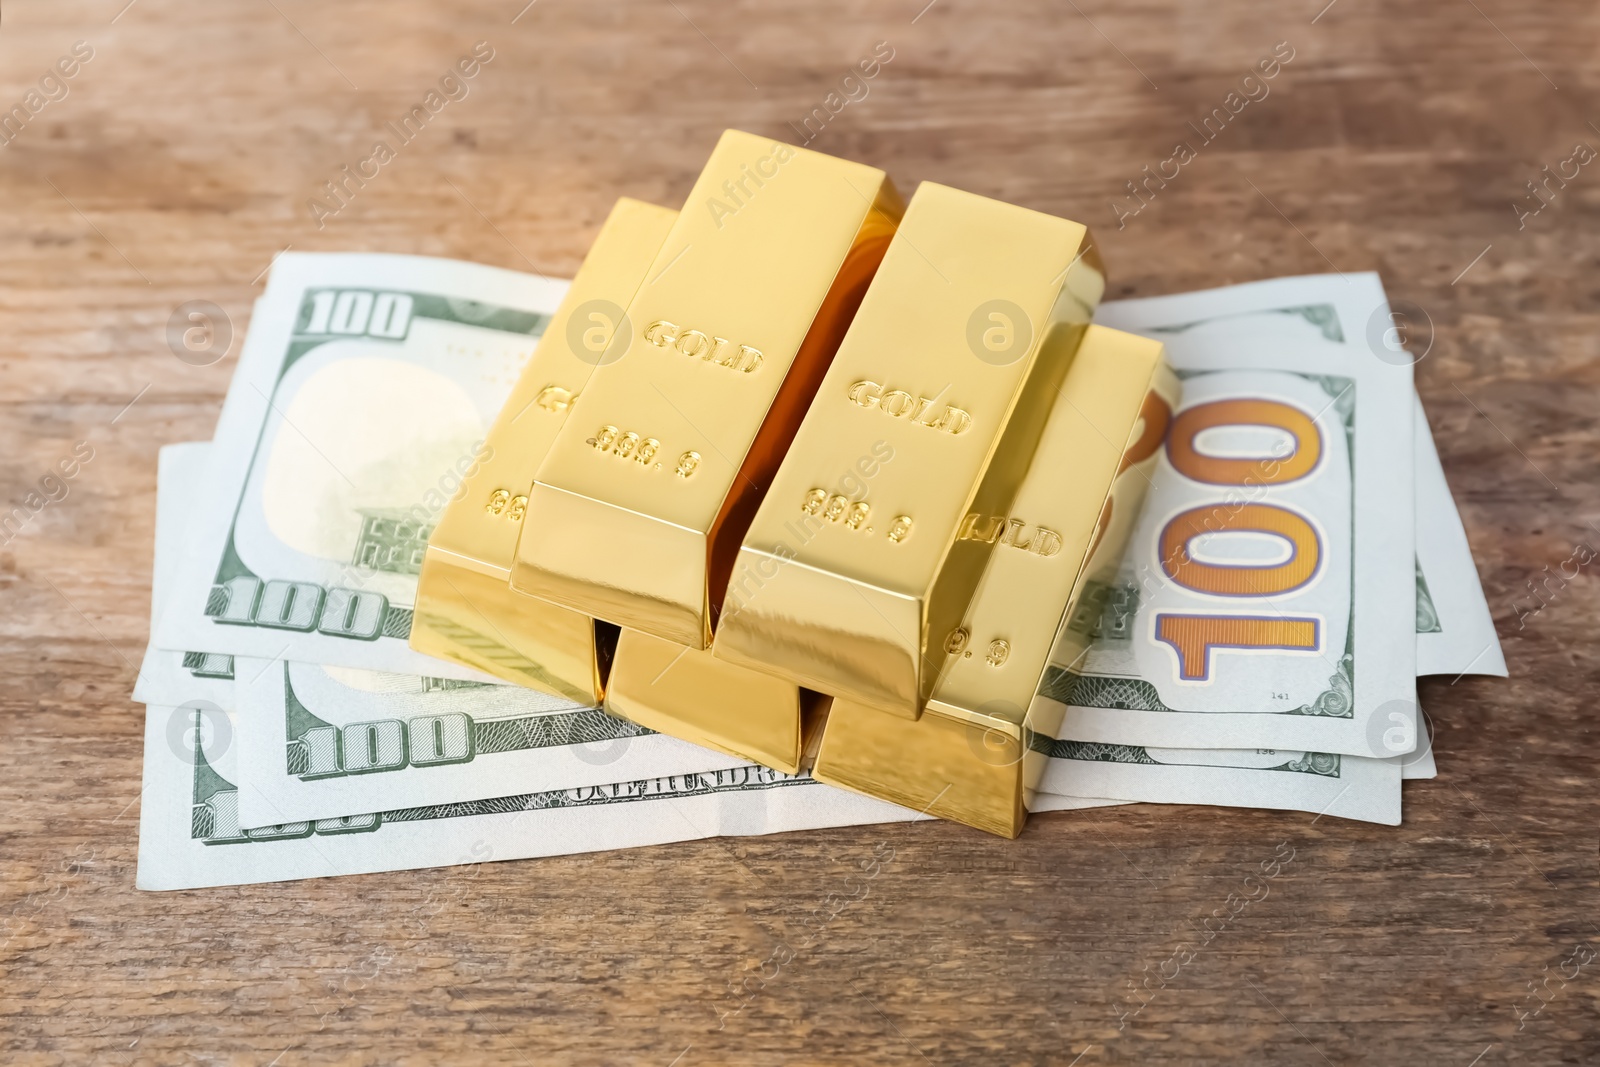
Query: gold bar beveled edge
pixel 999 811
pixel 462 561
pixel 624 700
pixel 471 647
pixel 663 724
pixel 579 515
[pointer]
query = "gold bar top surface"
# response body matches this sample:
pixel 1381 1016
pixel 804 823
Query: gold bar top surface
pixel 649 486
pixel 466 612
pixel 861 553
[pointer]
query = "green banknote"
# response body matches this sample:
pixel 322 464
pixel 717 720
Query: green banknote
pixel 1268 598
pixel 190 833
pixel 361 401
pixel 1204 333
pixel 316 742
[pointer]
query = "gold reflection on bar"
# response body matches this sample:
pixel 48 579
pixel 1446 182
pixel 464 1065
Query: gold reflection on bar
pixel 650 485
pixel 972 756
pixel 693 696
pixel 465 611
pixel 863 556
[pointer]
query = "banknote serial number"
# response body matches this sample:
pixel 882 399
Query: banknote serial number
pixel 632 446
pixel 851 514
pixel 697 344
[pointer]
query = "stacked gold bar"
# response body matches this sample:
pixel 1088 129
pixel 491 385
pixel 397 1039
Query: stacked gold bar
pixel 951 367
pixel 971 756
pixel 465 610
pixel 800 445
pixel 650 485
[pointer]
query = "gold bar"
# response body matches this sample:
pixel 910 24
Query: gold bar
pixel 862 556
pixel 648 488
pixel 691 695
pixel 465 611
pixel 971 756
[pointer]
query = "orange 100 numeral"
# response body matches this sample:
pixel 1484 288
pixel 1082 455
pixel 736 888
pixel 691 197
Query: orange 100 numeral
pixel 1197 466
pixel 1192 637
pixel 1240 579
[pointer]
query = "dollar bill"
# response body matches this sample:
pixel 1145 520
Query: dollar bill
pixel 167 676
pixel 361 399
pixel 1455 632
pixel 317 741
pixel 1269 593
pixel 1350 787
pixel 1346 787
pixel 1419 762
pixel 190 834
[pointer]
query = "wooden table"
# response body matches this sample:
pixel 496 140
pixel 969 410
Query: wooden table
pixel 1398 139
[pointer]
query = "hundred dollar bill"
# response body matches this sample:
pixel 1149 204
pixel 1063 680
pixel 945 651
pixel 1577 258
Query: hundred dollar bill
pixel 1455 632
pixel 190 834
pixel 1446 577
pixel 166 676
pixel 1419 762
pixel 317 741
pixel 1347 787
pixel 1268 597
pixel 360 402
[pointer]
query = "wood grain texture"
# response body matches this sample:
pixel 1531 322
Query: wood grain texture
pixel 1396 140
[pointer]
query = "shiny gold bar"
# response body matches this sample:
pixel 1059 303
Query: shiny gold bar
pixel 649 487
pixel 465 610
pixel 690 694
pixel 862 556
pixel 971 757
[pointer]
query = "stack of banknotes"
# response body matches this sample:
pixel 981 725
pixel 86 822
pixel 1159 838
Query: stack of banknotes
pixel 360 401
